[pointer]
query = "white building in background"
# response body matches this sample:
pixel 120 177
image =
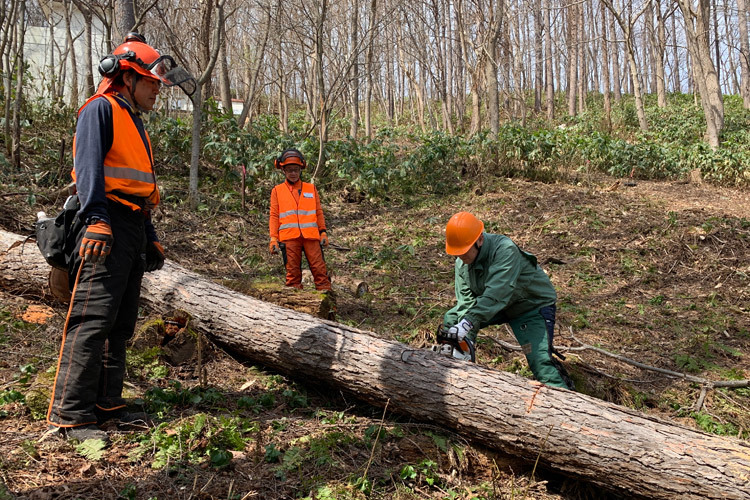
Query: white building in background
pixel 46 44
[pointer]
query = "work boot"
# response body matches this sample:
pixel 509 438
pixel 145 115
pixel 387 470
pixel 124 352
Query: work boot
pixel 81 433
pixel 124 419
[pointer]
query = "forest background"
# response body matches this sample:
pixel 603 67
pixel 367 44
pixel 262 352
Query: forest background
pixel 525 112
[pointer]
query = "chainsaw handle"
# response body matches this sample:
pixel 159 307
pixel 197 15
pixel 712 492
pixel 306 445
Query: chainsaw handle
pixel 465 345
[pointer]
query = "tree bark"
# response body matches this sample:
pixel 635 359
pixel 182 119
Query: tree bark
pixel 605 74
pixel 626 24
pixel 744 53
pixel 125 18
pixel 538 55
pixel 354 71
pixel 225 86
pixel 18 98
pixel 616 79
pixel 660 47
pixel 572 12
pixel 550 81
pixel 705 75
pixel 614 447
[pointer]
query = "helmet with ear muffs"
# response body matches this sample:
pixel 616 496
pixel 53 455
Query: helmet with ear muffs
pixel 135 54
pixel 290 157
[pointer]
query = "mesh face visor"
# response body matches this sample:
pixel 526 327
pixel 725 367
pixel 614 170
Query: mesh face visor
pixel 170 74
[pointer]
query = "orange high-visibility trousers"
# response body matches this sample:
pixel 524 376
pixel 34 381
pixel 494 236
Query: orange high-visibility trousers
pixel 314 254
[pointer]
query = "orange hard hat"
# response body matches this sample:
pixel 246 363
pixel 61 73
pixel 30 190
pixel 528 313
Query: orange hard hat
pixel 462 231
pixel 145 60
pixel 290 157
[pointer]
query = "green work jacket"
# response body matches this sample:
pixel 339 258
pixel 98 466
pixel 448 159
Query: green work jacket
pixel 502 279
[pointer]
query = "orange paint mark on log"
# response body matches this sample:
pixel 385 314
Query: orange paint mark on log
pixel 533 398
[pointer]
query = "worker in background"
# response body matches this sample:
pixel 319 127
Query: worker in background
pixel 297 224
pixel 497 282
pixel 116 184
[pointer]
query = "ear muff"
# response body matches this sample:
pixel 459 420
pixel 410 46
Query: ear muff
pixel 109 66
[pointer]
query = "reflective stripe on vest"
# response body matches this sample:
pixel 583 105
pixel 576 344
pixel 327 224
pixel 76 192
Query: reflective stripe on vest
pixel 297 219
pixel 128 169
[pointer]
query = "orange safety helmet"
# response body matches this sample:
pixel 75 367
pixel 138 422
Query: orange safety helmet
pixel 462 231
pixel 290 157
pixel 145 60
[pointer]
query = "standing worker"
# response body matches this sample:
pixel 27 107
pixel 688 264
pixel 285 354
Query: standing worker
pixel 114 175
pixel 297 224
pixel 496 282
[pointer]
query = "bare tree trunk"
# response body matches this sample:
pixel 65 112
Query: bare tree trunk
pixel 744 53
pixel 11 49
pixel 572 10
pixel 705 74
pixel 550 80
pixel 369 70
pixel 225 87
pixel 18 99
pixel 354 70
pixel 676 56
pixel 323 111
pixel 616 77
pixel 538 55
pixel 124 19
pixel 605 73
pixel 648 61
pixel 717 49
pixel 491 83
pixel 733 81
pixel 614 447
pixel 88 73
pixel 660 46
pixel 197 98
pixel 449 75
pixel 74 97
pixel 581 58
pixel 627 28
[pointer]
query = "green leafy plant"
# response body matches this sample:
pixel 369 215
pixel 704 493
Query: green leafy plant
pixel 92 449
pixel 195 439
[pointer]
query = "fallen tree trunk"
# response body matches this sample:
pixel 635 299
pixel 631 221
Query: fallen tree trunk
pixel 615 447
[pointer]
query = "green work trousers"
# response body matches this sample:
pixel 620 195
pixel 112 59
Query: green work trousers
pixel 531 332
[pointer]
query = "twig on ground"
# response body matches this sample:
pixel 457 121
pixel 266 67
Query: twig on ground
pixel 705 383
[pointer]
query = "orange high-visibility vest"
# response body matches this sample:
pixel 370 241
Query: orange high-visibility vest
pixel 297 219
pixel 128 166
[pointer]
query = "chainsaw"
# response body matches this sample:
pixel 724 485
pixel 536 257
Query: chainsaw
pixel 460 349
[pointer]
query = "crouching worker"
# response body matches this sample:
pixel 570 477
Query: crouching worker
pixel 297 224
pixel 497 282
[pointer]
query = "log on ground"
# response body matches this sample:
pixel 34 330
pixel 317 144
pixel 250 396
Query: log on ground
pixel 615 447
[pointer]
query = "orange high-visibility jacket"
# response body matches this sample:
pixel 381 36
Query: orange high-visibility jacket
pixel 295 212
pixel 128 166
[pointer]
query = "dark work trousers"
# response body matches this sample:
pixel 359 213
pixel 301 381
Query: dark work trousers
pixel 102 317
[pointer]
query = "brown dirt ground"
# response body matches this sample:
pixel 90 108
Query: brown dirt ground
pixel 657 273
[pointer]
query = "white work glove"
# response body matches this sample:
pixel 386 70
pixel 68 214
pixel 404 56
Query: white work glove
pixel 458 331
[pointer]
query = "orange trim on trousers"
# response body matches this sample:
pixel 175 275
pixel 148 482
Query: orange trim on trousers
pixel 314 254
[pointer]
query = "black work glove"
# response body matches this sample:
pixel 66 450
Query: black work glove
pixel 154 256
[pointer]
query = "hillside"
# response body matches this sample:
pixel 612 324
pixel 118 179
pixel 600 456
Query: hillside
pixel 656 272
